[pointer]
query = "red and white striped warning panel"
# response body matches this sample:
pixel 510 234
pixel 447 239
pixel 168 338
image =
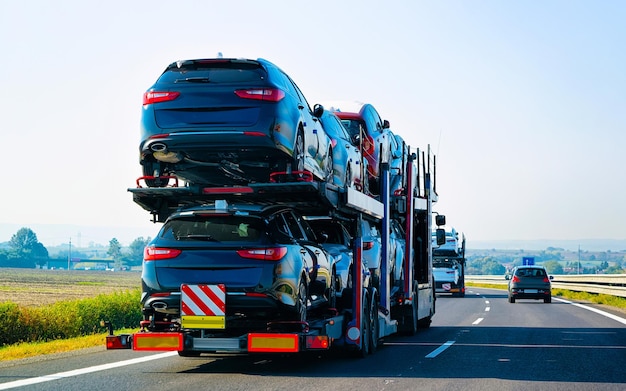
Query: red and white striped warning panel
pixel 203 306
pixel 203 300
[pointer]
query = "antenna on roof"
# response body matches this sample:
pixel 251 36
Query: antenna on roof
pixel 220 55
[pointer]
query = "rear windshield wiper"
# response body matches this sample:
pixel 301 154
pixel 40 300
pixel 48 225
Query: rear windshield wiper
pixel 208 238
pixel 194 80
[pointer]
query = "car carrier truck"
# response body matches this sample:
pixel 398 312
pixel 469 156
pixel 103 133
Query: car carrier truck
pixel 373 312
pixel 449 264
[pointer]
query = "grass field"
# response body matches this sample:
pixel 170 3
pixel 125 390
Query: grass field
pixel 31 287
pixel 35 287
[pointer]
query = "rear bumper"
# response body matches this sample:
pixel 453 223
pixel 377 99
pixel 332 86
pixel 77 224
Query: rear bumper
pixel 519 293
pixel 214 146
pixel 447 287
pixel 237 306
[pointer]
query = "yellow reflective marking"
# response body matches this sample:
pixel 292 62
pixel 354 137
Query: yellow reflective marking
pixel 203 322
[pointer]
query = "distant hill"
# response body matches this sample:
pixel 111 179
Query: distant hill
pixel 535 245
pixel 84 236
pixel 81 235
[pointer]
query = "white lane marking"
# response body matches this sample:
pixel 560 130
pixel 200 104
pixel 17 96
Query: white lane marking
pixel 597 311
pixel 478 320
pixel 486 301
pixel 487 309
pixel 83 371
pixel 440 349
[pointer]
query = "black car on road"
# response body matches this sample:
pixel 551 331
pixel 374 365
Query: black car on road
pixel 530 282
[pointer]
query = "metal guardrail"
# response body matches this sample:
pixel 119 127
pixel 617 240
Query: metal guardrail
pixel 608 284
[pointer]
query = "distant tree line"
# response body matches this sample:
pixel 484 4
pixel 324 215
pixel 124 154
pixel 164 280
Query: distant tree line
pixel 552 259
pixel 25 251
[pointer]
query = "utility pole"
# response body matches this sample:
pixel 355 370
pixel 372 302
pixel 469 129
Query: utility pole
pixel 69 255
pixel 579 259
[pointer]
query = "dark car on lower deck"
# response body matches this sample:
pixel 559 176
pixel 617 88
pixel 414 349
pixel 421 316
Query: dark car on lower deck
pixel 266 256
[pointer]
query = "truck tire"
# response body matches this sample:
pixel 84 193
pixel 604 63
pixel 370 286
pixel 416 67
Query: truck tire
pixel 187 353
pixel 374 326
pixel 426 322
pixel 410 317
pixel 363 351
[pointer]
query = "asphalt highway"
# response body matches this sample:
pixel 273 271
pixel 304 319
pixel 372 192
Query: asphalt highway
pixel 479 342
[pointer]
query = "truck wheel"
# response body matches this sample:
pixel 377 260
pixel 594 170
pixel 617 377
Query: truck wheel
pixel 374 326
pixel 511 299
pixel 363 351
pixel 187 353
pixel 426 322
pixel 410 318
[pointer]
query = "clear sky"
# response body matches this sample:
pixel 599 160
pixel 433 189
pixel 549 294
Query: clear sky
pixel 524 102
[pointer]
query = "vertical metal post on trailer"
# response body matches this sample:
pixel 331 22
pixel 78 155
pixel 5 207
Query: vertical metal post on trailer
pixel 354 332
pixel 385 198
pixel 410 251
pixel 386 326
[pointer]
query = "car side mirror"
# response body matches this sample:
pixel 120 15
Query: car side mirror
pixel 507 277
pixel 552 277
pixel 386 124
pixel 318 110
pixel 440 220
pixel 441 236
pixel 356 139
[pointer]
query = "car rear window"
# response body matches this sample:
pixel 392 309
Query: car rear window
pixel 530 273
pixel 214 229
pixel 212 72
pixel 334 233
pixel 443 263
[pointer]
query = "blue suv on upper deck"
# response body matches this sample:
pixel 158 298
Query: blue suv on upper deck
pixel 229 121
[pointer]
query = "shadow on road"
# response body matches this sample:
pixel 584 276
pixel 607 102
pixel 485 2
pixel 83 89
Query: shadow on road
pixel 510 353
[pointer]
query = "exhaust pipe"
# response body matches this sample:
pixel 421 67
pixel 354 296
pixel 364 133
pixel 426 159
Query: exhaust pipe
pixel 158 147
pixel 159 305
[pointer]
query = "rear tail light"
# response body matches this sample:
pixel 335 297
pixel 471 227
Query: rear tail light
pixel 152 253
pixel 546 279
pixel 368 245
pixel 255 294
pixel 151 97
pixel 266 94
pixel 515 279
pixel 264 254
